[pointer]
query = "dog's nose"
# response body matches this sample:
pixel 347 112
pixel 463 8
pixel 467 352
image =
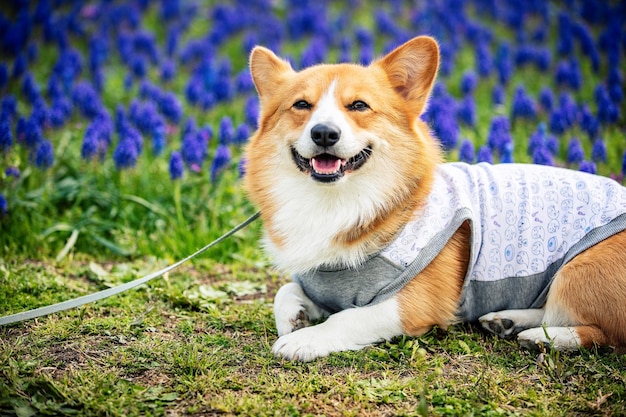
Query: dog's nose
pixel 325 134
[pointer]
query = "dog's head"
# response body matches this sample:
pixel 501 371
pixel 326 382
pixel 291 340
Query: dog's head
pixel 342 140
pixel 333 119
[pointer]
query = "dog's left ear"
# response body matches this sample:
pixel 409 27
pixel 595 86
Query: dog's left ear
pixel 267 70
pixel 411 69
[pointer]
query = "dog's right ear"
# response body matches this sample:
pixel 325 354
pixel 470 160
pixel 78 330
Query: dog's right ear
pixel 268 71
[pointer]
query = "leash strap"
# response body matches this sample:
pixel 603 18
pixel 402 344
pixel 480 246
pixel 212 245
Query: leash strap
pixel 76 302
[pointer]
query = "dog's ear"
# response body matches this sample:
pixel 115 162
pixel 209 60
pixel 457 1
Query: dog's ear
pixel 411 69
pixel 267 70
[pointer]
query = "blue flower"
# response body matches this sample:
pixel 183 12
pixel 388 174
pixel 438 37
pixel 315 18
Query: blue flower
pixel 466 151
pixel 32 133
pixel 4 76
pixel 251 111
pixel 503 63
pixel 469 80
pixel 220 161
pixel 498 95
pixel 484 155
pixel 176 166
pixel 6 136
pixel 86 98
pixel 8 107
pixel 523 106
pixel 546 99
pixel 484 60
pixel 125 154
pixel 588 166
pixel 4 206
pixel 170 107
pixel 575 152
pixel 242 134
pixel 608 112
pixel 466 111
pixel 226 131
pixel 598 151
pixel 542 156
pixel 12 172
pixel 499 135
pixel 44 155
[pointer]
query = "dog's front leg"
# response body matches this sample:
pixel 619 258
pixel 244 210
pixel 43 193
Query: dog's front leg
pixel 351 329
pixel 293 310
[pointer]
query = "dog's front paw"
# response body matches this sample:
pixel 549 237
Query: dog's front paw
pixel 311 343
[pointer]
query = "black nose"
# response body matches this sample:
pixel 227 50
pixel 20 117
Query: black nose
pixel 325 134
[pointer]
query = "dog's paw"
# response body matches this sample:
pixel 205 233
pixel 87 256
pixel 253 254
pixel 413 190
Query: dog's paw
pixel 311 343
pixel 557 338
pixel 506 324
pixel 501 326
pixel 289 322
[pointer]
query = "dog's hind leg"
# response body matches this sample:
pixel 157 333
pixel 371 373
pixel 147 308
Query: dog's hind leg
pixel 562 338
pixel 586 302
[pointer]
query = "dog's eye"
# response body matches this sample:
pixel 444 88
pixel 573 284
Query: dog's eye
pixel 358 105
pixel 302 105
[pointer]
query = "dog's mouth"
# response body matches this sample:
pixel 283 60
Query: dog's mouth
pixel 327 167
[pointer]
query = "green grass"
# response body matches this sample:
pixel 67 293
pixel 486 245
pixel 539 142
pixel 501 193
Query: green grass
pixel 163 350
pixel 198 341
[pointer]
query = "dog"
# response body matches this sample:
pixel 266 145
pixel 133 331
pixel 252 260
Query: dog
pixel 383 239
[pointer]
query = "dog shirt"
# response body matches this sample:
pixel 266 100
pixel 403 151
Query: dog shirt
pixel 526 222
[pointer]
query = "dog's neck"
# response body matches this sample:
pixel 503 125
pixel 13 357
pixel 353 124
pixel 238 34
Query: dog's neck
pixel 337 226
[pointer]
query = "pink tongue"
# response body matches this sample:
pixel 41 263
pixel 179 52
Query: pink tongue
pixel 326 165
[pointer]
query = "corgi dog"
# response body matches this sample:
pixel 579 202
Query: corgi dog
pixel 383 239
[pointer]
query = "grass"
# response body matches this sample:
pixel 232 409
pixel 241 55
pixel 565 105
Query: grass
pixel 178 346
pixel 198 341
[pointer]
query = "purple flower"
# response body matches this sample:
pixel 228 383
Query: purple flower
pixel 86 98
pixel 6 136
pixel 608 112
pixel 466 151
pixel 503 63
pixel 484 155
pixel 499 134
pixel 176 166
pixel 170 107
pixel 498 95
pixel 32 133
pixel 4 76
pixel 44 155
pixel 168 70
pixel 226 131
pixel 484 60
pixel 242 134
pixel 542 156
pixel 598 151
pixel 523 106
pixel 220 161
pixel 588 166
pixel 466 111
pixel 194 150
pixel 30 88
pixel 469 80
pixel 12 172
pixel 125 154
pixel 251 111
pixel 546 99
pixel 575 152
pixel 4 206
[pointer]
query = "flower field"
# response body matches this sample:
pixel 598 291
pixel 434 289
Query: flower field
pixel 122 125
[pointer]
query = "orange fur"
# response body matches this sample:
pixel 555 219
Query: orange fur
pixel 591 289
pixel 432 298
